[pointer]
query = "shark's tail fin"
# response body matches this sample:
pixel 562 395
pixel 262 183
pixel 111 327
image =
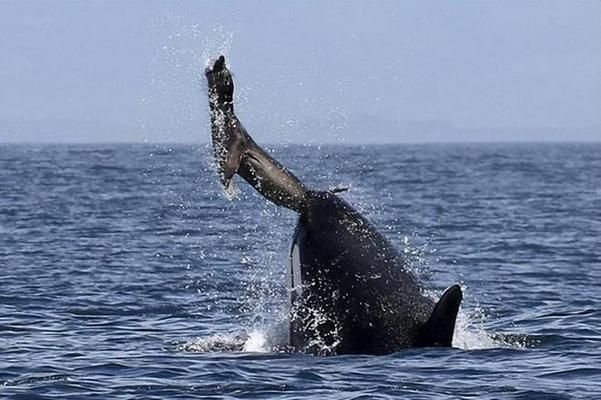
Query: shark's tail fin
pixel 237 153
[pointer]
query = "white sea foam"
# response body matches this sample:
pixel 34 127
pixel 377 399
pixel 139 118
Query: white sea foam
pixel 217 342
pixel 256 342
pixel 270 334
pixel 470 334
pixel 231 191
pixel 261 339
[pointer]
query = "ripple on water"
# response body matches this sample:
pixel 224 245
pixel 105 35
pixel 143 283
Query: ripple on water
pixel 139 280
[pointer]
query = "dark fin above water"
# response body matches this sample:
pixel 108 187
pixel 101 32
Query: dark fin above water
pixel 438 331
pixel 338 190
pixel 237 153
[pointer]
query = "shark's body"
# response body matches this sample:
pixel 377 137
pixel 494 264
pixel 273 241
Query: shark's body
pixel 350 289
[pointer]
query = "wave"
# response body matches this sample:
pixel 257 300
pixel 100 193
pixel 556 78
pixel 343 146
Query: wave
pixel 273 338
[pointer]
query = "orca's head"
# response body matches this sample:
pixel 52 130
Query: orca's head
pixel 221 84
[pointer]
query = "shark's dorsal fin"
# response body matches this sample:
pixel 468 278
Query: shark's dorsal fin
pixel 438 331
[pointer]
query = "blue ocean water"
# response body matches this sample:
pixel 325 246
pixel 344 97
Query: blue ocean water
pixel 126 272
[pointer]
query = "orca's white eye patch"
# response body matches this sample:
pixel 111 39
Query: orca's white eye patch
pixel 294 272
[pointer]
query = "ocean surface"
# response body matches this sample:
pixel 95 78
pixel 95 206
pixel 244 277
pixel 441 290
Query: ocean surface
pixel 127 272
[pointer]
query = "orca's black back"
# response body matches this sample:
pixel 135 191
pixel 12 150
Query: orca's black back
pixel 357 297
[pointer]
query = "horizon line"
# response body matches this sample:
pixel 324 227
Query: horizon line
pixel 311 143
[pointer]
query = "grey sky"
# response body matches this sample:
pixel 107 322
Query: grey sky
pixel 385 71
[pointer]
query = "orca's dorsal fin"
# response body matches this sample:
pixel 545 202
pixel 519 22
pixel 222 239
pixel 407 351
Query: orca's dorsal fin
pixel 438 331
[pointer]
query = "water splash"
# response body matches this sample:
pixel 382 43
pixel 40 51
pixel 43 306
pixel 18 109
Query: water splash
pixel 217 342
pixel 231 191
pixel 259 339
pixel 217 42
pixel 177 80
pixel 256 342
pixel 266 314
pixel 269 332
pixel 470 334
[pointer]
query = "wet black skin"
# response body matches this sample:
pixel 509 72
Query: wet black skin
pixel 356 295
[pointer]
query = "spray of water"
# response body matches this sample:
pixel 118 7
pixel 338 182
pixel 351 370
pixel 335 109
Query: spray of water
pixel 269 317
pixel 217 342
pixel 177 80
pixel 470 334
pixel 187 53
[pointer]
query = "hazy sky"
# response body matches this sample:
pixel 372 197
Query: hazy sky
pixel 306 71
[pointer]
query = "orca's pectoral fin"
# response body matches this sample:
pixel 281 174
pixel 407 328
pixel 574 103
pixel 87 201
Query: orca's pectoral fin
pixel 438 331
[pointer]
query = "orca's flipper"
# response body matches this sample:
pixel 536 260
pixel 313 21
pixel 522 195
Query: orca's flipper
pixel 438 331
pixel 237 153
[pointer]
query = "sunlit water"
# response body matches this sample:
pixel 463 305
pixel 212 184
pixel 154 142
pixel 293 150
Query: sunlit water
pixel 125 272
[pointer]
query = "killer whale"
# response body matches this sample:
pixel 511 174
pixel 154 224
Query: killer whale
pixel 350 290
